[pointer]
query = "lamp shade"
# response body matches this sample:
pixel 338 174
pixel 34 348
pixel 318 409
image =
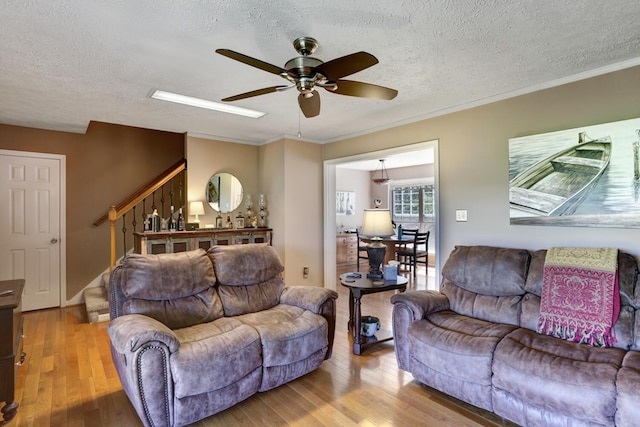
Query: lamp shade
pixel 377 223
pixel 196 208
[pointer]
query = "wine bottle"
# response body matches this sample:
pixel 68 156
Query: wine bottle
pixel 180 220
pixel 172 221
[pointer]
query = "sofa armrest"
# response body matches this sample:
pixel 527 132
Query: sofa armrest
pixel 422 303
pixel 307 297
pixel 318 300
pixel 141 349
pixel 130 332
pixel 409 307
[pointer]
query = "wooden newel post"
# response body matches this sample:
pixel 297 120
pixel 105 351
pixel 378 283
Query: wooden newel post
pixel 113 217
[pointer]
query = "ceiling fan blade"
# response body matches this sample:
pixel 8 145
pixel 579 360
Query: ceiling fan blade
pixel 346 65
pixel 257 92
pixel 310 106
pixel 251 61
pixel 363 90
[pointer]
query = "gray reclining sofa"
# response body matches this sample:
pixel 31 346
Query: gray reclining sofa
pixel 194 333
pixel 476 340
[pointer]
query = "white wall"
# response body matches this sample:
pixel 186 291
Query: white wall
pixel 358 182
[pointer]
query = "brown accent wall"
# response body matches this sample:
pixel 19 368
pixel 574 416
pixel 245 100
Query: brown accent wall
pixel 103 166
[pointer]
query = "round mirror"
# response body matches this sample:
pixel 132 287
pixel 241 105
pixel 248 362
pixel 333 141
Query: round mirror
pixel 224 192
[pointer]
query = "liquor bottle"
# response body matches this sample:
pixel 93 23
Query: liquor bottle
pixel 156 220
pixel 172 221
pixel 219 221
pixel 180 220
pixel 229 223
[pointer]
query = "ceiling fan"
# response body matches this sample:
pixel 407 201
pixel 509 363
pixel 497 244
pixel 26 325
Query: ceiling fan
pixel 306 73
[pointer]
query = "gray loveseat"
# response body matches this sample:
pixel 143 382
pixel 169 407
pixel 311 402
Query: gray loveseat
pixel 476 340
pixel 194 333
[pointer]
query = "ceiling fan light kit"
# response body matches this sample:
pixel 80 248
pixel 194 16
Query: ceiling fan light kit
pixel 305 73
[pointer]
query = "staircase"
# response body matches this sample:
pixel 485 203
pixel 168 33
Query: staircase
pixel 166 190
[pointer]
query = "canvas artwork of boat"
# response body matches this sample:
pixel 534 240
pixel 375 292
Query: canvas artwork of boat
pixel 558 184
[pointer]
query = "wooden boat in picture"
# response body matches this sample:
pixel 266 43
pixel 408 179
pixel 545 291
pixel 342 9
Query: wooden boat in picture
pixel 558 184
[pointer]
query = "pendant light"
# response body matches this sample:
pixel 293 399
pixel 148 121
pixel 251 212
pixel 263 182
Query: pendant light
pixel 383 177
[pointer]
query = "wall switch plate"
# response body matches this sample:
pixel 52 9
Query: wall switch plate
pixel 461 215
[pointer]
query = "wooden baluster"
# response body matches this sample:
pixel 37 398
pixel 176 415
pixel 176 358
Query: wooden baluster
pixel 144 214
pixel 162 199
pixel 180 179
pixel 171 193
pixel 124 233
pixel 134 223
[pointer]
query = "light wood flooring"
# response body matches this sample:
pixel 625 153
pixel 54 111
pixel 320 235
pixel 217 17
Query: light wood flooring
pixel 68 379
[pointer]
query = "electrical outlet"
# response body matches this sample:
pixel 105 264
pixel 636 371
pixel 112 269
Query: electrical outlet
pixel 461 215
pixel 305 272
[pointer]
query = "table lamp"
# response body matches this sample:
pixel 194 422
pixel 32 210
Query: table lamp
pixel 196 208
pixel 376 223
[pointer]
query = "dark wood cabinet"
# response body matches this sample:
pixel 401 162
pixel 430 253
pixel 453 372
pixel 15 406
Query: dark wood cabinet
pixel 11 354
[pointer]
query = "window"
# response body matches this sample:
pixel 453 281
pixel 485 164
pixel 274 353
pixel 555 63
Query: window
pixel 412 203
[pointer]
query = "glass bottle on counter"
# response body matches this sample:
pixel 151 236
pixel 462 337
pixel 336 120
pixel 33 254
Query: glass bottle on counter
pixel 156 220
pixel 180 220
pixel 172 221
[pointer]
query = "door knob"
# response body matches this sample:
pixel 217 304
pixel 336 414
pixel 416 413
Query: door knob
pixel 54 240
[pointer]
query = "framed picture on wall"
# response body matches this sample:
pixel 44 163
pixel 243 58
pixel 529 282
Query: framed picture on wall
pixel 345 202
pixel 587 177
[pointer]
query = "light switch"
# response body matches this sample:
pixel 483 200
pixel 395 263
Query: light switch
pixel 461 215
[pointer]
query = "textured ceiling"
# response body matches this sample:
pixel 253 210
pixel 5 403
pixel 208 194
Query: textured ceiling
pixel 64 63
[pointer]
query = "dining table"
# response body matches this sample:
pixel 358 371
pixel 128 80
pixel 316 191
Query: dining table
pixel 391 243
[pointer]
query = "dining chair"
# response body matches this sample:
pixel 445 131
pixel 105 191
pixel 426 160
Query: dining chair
pixel 415 254
pixel 404 245
pixel 362 250
pixel 409 231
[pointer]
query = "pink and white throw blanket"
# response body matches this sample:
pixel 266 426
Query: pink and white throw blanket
pixel 580 300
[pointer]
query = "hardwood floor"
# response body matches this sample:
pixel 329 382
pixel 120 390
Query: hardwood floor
pixel 69 380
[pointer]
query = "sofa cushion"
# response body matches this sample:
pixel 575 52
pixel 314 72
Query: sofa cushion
pixel 628 392
pixel 488 270
pixel 214 355
pixel 288 333
pixel 444 342
pixel 243 265
pixel 237 300
pixel 547 374
pixel 176 289
pixel 504 309
pixel 249 277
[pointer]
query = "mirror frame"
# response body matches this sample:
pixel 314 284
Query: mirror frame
pixel 231 195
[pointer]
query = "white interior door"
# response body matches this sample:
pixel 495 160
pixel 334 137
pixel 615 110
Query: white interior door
pixel 30 224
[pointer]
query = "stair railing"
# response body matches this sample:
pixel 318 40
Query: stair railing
pixel 169 179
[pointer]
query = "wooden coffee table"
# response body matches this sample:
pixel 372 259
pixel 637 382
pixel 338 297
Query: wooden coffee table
pixel 363 286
